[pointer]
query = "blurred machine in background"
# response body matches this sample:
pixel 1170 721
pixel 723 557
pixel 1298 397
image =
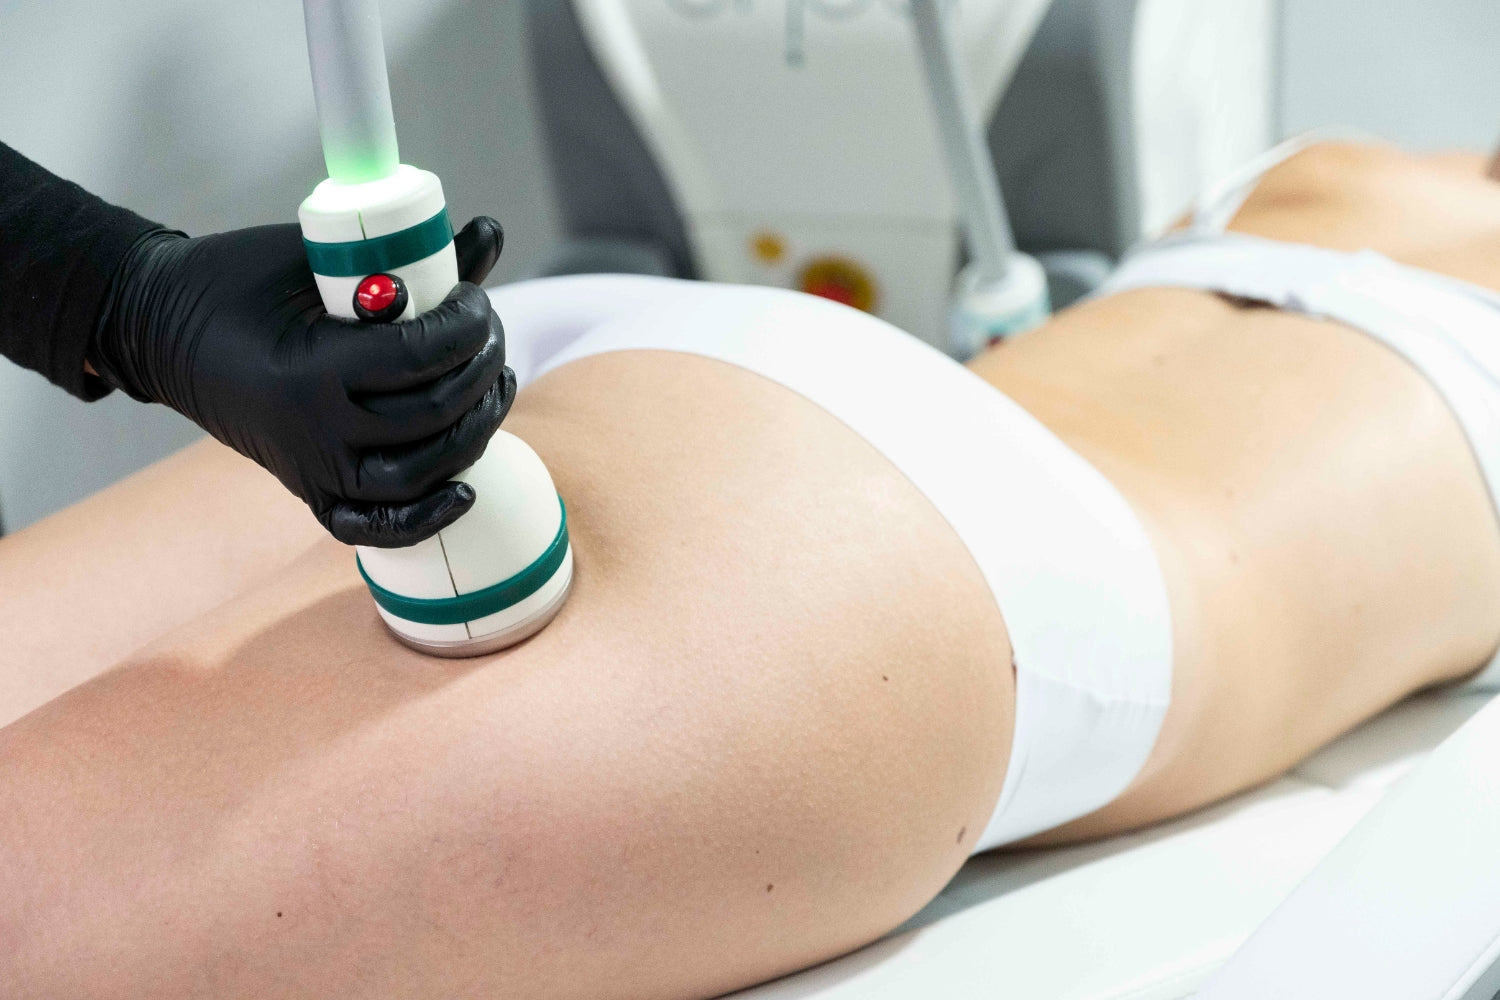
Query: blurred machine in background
pixel 135 112
pixel 792 142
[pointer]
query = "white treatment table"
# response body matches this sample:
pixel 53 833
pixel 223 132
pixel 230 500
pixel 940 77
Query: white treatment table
pixel 1148 916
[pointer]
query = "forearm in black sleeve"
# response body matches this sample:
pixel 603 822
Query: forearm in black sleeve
pixel 59 249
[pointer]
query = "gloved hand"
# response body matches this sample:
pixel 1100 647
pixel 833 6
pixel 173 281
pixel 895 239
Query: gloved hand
pixel 366 422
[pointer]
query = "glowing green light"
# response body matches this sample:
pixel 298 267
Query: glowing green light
pixel 356 163
pixel 347 54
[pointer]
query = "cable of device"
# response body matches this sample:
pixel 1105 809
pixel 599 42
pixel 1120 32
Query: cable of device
pixel 1002 291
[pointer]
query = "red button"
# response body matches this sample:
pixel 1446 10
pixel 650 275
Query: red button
pixel 839 293
pixel 841 280
pixel 376 293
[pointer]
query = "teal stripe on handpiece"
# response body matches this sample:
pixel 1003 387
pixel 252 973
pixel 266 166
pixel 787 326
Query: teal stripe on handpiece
pixel 481 603
pixel 358 258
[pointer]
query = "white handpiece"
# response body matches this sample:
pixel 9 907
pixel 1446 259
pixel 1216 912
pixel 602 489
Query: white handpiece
pixel 380 244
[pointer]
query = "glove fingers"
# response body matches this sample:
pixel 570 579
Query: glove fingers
pixel 478 246
pixel 391 357
pixel 387 419
pixel 393 475
pixel 390 526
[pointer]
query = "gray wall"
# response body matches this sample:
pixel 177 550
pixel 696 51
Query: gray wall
pixel 163 106
pixel 1423 72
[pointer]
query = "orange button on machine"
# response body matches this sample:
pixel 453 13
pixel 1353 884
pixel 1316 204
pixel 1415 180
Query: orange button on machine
pixel 767 247
pixel 841 280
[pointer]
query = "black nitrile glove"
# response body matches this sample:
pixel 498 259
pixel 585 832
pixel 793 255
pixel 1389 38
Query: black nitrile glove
pixel 364 421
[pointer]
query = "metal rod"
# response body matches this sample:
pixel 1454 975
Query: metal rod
pixel 981 207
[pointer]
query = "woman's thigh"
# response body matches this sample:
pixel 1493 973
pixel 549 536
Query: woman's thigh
pixel 767 727
pixel 84 587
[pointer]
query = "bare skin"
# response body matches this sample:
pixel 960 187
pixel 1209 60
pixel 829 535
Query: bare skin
pixel 759 735
pixel 679 787
pixel 1328 541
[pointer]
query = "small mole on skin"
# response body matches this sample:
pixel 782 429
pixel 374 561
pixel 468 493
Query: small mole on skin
pixel 884 677
pixel 961 831
pixel 769 887
pixel 278 913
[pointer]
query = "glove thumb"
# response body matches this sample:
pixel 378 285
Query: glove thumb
pixel 394 526
pixel 478 247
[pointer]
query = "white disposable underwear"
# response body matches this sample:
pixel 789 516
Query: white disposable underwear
pixel 1065 557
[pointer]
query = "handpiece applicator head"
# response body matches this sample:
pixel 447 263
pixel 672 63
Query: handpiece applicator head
pixel 381 248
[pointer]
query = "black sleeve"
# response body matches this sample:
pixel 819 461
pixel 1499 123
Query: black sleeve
pixel 59 249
